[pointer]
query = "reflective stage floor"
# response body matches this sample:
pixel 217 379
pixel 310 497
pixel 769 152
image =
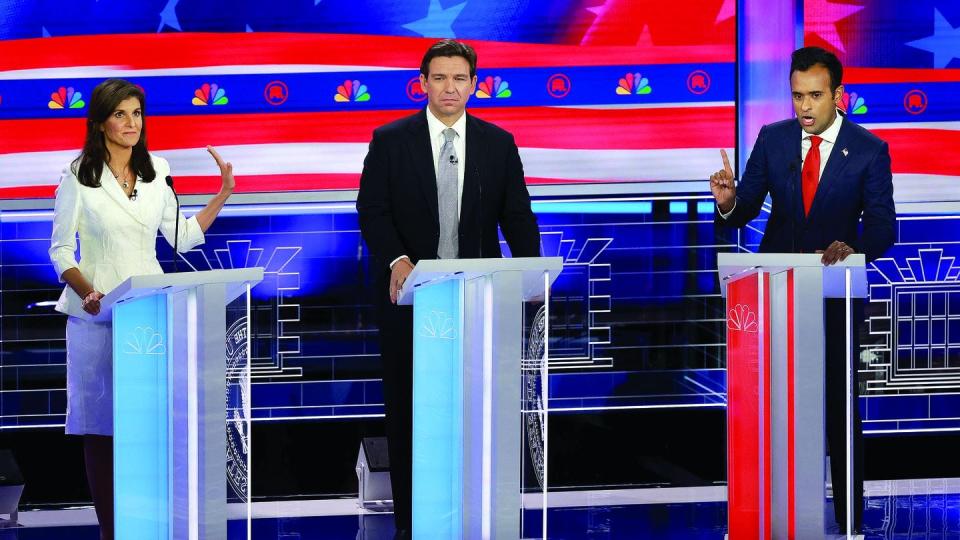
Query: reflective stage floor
pixel 903 509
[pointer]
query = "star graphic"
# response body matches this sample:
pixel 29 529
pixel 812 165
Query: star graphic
pixel 646 38
pixel 821 17
pixel 438 22
pixel 44 32
pixel 615 22
pixel 727 11
pixel 168 16
pixel 944 43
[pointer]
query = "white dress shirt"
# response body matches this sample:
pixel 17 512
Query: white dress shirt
pixel 829 137
pixel 436 127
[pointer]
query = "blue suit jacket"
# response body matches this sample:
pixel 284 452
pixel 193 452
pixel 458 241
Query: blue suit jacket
pixel 856 186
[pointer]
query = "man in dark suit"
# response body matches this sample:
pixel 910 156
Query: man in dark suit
pixel 436 184
pixel 825 176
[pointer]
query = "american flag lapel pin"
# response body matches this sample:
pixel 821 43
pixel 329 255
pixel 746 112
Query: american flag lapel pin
pixel 845 152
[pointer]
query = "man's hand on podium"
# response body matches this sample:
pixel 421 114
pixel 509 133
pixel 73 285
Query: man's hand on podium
pixel 835 252
pixel 398 276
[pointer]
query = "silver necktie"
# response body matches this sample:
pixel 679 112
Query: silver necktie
pixel 448 198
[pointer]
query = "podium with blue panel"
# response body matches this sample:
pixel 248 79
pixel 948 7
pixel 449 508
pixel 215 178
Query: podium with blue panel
pixel 469 319
pixel 170 384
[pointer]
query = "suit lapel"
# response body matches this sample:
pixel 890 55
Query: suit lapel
pixel 794 150
pixel 422 154
pixel 471 172
pixel 109 184
pixel 834 169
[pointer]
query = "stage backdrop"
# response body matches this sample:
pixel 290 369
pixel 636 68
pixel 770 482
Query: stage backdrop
pixel 614 91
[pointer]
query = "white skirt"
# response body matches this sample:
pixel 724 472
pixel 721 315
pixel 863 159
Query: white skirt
pixel 89 377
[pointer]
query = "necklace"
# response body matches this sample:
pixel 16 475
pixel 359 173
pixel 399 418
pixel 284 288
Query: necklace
pixel 121 179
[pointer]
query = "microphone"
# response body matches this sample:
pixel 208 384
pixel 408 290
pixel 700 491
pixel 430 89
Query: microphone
pixel 794 171
pixel 476 172
pixel 454 160
pixel 176 227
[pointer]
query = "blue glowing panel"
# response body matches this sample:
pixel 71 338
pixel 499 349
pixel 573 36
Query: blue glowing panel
pixel 438 411
pixel 140 419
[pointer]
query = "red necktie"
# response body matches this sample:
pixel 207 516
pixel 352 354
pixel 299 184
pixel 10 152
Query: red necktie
pixel 810 174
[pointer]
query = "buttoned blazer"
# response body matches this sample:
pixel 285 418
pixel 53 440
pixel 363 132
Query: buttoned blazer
pixel 397 202
pixel 853 202
pixel 118 236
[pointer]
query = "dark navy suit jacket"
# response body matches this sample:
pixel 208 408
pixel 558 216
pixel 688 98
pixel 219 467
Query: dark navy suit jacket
pixel 397 203
pixel 856 186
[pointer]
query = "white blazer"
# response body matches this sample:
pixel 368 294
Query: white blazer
pixel 118 237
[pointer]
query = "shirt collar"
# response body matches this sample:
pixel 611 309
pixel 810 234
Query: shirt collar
pixel 830 134
pixel 436 127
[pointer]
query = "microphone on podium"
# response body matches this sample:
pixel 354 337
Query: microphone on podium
pixel 176 227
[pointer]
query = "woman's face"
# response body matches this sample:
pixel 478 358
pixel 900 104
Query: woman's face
pixel 122 127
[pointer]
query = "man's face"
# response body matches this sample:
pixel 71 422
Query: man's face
pixel 814 103
pixel 448 85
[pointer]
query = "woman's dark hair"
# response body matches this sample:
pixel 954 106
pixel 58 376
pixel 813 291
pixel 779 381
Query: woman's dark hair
pixel 807 57
pixel 449 47
pixel 104 101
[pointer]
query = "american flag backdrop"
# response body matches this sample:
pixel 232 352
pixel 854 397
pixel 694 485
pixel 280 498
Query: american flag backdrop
pixel 290 91
pixel 902 80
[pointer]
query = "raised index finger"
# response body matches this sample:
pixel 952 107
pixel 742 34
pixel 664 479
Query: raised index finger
pixel 216 156
pixel 726 162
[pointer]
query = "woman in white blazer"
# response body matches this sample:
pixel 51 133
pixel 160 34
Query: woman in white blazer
pixel 114 195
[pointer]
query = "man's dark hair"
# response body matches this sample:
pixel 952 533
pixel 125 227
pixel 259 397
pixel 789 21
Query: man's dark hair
pixel 807 57
pixel 449 47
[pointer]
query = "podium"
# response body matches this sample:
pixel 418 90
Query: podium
pixel 775 388
pixel 467 349
pixel 169 401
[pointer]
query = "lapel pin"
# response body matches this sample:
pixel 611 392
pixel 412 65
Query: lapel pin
pixel 845 152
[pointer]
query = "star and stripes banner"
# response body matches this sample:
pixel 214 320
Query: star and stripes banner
pixel 902 81
pixel 594 91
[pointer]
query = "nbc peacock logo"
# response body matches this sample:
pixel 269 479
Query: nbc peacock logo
pixel 852 103
pixel 633 84
pixel 493 87
pixel 209 94
pixel 66 98
pixel 351 91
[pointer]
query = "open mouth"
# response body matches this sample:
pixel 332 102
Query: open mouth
pixel 807 120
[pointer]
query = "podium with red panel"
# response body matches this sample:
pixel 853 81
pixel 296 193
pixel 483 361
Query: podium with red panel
pixel 775 388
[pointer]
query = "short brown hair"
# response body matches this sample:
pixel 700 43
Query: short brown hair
pixel 449 47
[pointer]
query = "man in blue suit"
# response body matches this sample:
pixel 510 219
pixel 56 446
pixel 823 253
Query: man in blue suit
pixel 831 189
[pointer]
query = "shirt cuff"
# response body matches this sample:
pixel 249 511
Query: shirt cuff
pixel 398 259
pixel 725 216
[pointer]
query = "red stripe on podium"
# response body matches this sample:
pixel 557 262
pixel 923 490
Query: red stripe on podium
pixel 743 408
pixel 767 423
pixel 791 426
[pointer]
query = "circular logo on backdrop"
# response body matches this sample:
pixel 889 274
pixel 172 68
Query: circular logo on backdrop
pixel 534 370
pixel 698 82
pixel 915 101
pixel 238 438
pixel 276 92
pixel 415 91
pixel 558 85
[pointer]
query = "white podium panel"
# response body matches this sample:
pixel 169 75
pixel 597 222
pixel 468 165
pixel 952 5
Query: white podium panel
pixel 170 401
pixel 775 388
pixel 468 417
